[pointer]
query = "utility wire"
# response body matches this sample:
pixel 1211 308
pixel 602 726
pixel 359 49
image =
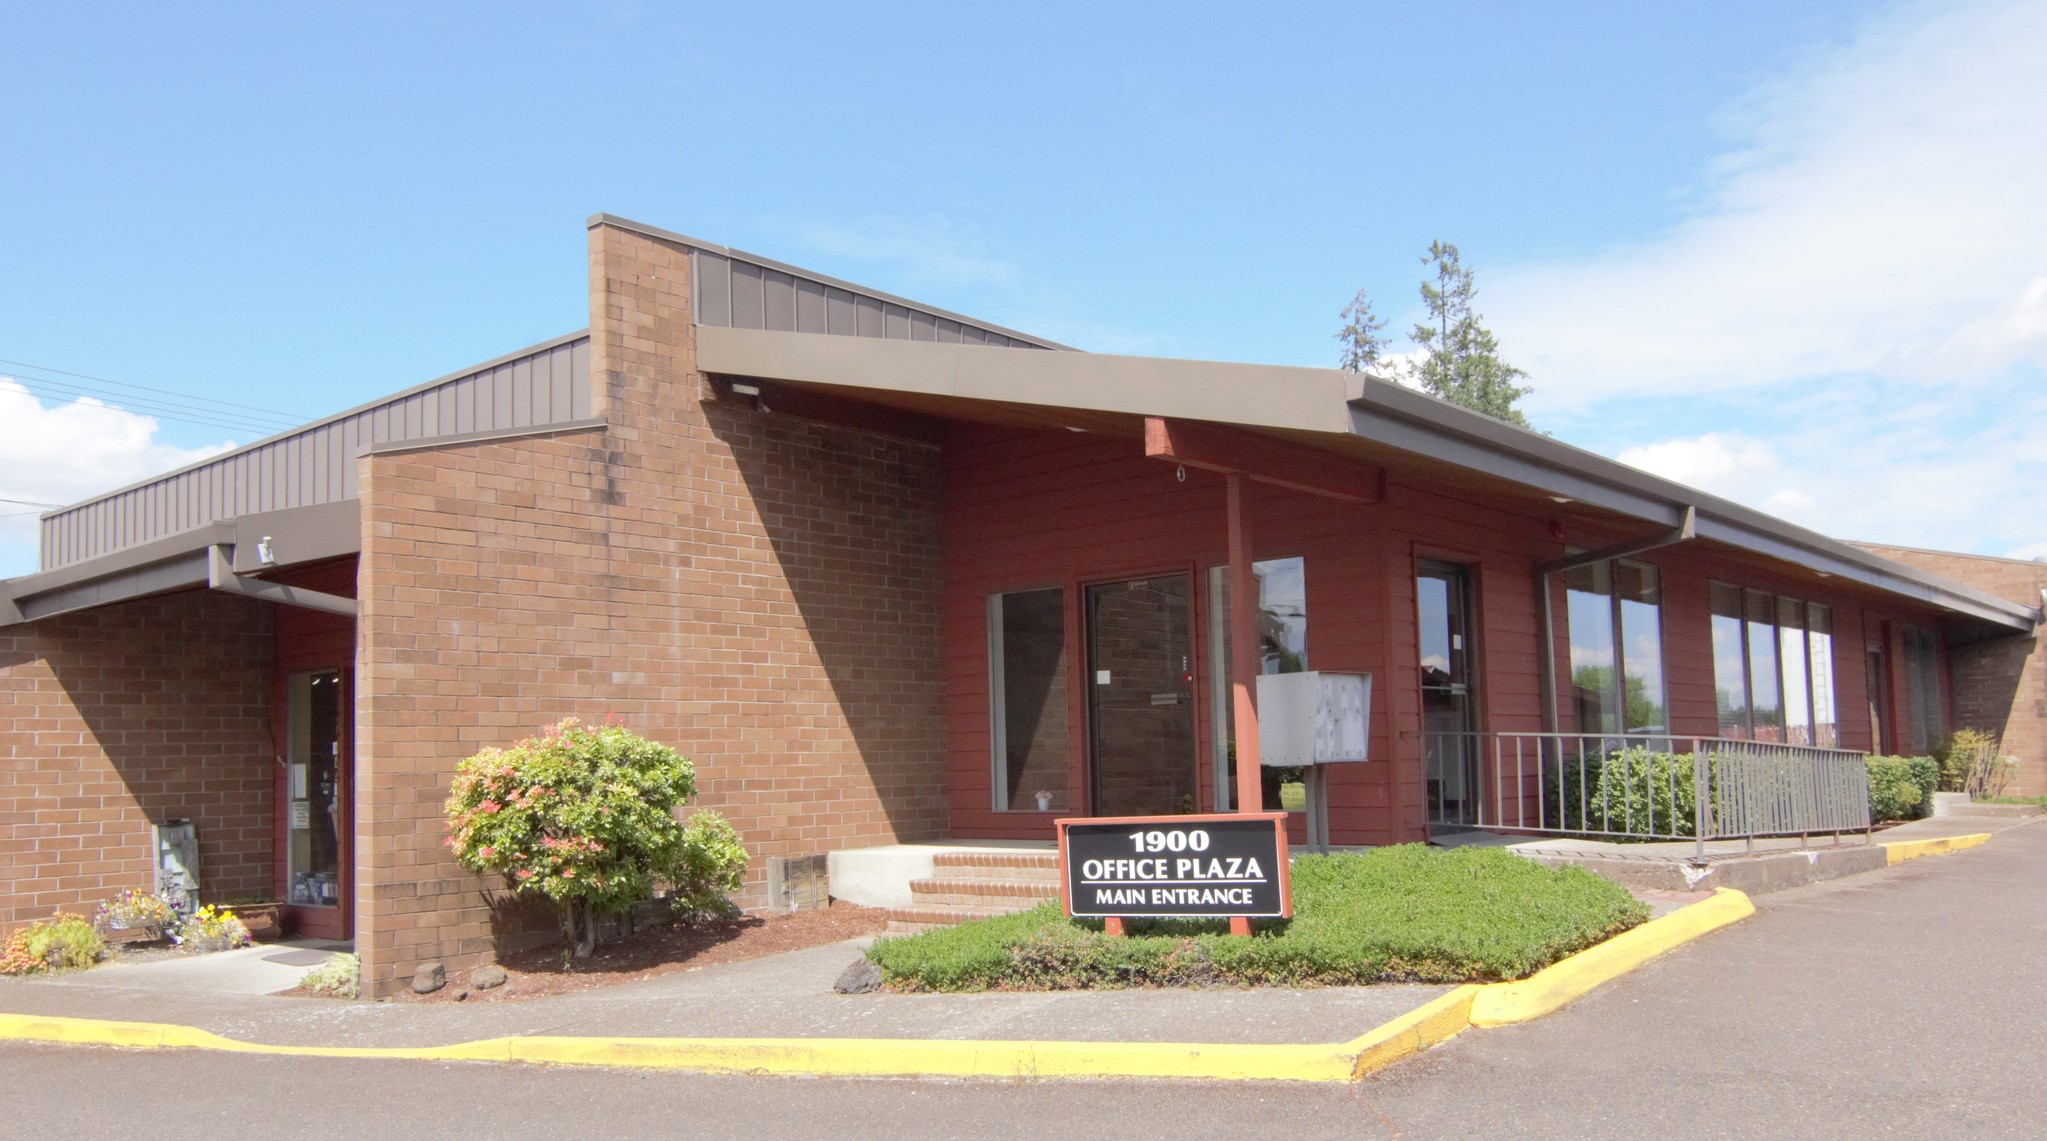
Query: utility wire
pixel 291 416
pixel 29 502
pixel 183 407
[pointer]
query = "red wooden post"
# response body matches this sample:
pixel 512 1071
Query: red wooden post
pixel 1112 927
pixel 1243 650
pixel 1244 662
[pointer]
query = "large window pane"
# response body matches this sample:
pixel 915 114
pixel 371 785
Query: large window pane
pixel 1791 655
pixel 1641 601
pixel 1027 660
pixel 1922 690
pixel 1282 649
pixel 1588 607
pixel 1730 668
pixel 1819 623
pixel 1766 706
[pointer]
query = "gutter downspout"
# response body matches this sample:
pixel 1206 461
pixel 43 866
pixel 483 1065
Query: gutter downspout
pixel 221 576
pixel 1685 532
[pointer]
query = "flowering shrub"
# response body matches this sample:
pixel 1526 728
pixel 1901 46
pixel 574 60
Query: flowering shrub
pixel 53 944
pixel 211 926
pixel 136 908
pixel 585 815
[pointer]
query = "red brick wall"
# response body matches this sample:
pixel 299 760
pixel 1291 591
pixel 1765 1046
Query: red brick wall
pixel 115 719
pixel 1999 685
pixel 758 591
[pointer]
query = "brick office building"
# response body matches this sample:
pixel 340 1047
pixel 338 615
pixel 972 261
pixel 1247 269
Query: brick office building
pixel 1999 684
pixel 887 574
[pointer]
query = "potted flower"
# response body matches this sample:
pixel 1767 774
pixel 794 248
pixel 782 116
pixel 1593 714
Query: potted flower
pixel 212 929
pixel 136 910
pixel 1044 796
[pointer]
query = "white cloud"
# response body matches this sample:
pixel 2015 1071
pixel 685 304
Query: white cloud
pixel 1959 474
pixel 66 452
pixel 1880 214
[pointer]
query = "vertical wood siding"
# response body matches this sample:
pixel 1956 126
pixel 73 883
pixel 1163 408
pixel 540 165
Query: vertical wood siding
pixel 733 293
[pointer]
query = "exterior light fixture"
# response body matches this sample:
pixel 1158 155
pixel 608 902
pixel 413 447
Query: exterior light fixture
pixel 264 554
pixel 1561 499
pixel 744 388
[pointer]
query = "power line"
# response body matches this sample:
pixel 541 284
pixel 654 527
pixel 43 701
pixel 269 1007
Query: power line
pixel 291 416
pixel 29 502
pixel 165 410
pixel 168 404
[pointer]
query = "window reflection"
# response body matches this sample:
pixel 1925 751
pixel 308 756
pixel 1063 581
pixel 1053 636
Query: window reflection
pixel 1282 621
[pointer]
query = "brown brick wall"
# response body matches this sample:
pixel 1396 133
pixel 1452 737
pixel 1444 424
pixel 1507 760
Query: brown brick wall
pixel 758 591
pixel 1999 685
pixel 115 719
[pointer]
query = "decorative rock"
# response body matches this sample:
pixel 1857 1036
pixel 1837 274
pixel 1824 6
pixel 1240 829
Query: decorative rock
pixel 860 978
pixel 487 976
pixel 429 978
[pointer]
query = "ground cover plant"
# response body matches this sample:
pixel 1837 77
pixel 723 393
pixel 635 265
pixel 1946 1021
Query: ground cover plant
pixel 1401 914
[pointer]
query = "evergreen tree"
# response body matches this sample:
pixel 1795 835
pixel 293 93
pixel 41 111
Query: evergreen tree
pixel 1362 344
pixel 1460 357
pixel 1462 362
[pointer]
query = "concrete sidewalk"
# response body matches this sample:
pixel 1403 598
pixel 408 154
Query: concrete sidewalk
pixel 779 1014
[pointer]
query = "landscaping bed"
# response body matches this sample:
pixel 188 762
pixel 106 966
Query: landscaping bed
pixel 1401 914
pixel 684 946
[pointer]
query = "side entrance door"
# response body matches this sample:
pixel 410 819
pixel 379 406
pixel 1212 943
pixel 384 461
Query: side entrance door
pixel 1141 696
pixel 317 804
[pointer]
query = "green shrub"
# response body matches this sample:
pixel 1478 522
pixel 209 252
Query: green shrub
pixel 1402 914
pixel 340 976
pixel 1632 791
pixel 585 816
pixel 1924 773
pixel 61 942
pixel 1894 793
pixel 713 864
pixel 1969 762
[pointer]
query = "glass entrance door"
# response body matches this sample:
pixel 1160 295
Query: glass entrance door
pixel 1449 699
pixel 1141 696
pixel 318 823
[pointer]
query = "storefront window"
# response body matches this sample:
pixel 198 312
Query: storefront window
pixel 1027 690
pixel 1282 649
pixel 1614 610
pixel 1922 691
pixel 1773 667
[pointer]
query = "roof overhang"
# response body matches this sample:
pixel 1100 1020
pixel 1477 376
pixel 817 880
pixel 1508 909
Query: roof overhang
pixel 189 560
pixel 1347 413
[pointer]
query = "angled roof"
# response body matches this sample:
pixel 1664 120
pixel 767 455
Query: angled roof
pixel 764 319
pixel 1349 414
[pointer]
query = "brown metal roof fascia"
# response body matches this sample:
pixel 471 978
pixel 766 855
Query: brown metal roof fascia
pixel 658 233
pixel 299 535
pixel 367 406
pixel 1263 396
pixel 1388 414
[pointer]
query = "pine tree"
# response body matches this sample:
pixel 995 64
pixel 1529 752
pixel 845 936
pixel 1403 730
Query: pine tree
pixel 1362 344
pixel 1462 358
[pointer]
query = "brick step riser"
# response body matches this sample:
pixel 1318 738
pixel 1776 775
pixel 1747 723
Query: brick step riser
pixel 1036 875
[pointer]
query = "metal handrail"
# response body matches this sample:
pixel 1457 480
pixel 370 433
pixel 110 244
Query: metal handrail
pixel 1657 787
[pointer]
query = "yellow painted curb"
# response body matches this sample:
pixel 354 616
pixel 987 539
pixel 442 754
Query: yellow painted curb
pixel 1502 1004
pixel 843 1057
pixel 1437 1021
pixel 1427 1025
pixel 1898 851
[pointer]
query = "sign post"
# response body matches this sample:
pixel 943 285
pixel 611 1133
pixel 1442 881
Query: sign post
pixel 1217 866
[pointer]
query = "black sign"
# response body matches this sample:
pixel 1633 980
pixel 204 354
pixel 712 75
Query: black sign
pixel 1182 866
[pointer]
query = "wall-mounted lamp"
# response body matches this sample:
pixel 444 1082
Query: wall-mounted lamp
pixel 745 388
pixel 1561 499
pixel 264 554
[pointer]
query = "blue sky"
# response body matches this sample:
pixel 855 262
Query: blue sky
pixel 1790 253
